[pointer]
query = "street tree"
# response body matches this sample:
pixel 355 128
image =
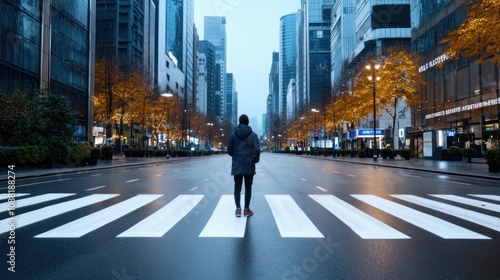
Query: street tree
pixel 400 81
pixel 478 36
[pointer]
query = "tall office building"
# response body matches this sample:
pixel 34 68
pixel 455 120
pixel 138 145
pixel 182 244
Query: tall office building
pixel 176 44
pixel 122 28
pixel 272 112
pixel 460 98
pixel 208 50
pixel 215 33
pixel 287 61
pixel 50 45
pixel 317 19
pixel 300 73
pixel 342 43
pixel 231 108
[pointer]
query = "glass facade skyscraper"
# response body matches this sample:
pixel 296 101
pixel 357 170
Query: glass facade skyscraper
pixel 287 59
pixel 460 99
pixel 215 33
pixel 50 45
pixel 318 15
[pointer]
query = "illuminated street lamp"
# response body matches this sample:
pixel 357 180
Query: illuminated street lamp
pixel 168 95
pixel 210 135
pixel 374 78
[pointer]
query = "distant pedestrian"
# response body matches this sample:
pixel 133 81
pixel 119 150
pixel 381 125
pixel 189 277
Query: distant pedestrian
pixel 243 147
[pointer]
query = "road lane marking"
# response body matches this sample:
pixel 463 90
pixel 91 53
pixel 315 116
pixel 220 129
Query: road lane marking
pixel 161 221
pixel 38 183
pixel 157 175
pixel 471 202
pixel 35 200
pixel 223 222
pixel 361 223
pixel 303 179
pixel 350 175
pixel 487 196
pixel 413 176
pixel 84 225
pixel 131 181
pixel 336 172
pixel 460 183
pixel 5 196
pixel 321 189
pixel 465 214
pixel 192 189
pixel 95 175
pixel 427 222
pixel 96 188
pixel 54 210
pixel 290 219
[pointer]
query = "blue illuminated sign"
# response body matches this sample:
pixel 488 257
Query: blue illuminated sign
pixel 450 133
pixel 366 132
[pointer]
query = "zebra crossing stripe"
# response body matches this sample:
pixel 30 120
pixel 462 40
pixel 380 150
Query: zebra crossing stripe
pixel 290 219
pixel 361 223
pixel 472 202
pixel 35 200
pixel 465 214
pixel 91 222
pixel 427 222
pixel 54 210
pixel 5 195
pixel 160 222
pixel 487 196
pixel 223 222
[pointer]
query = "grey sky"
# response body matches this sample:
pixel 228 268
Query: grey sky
pixel 252 28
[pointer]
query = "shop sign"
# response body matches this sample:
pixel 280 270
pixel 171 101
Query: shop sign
pixel 440 59
pixel 464 108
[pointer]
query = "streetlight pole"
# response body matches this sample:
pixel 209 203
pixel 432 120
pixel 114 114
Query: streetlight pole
pixel 373 78
pixel 168 95
pixel 315 111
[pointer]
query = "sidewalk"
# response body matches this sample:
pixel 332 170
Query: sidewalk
pixel 118 161
pixel 477 169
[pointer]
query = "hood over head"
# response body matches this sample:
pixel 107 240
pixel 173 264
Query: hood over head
pixel 242 131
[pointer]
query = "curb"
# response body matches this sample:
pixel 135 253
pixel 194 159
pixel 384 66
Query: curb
pixel 416 168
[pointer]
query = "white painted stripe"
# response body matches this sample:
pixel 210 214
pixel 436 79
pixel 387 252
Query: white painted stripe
pixel 160 222
pixel 133 180
pixel 5 195
pixel 487 196
pixel 321 189
pixel 303 179
pixel 361 223
pixel 460 183
pixel 336 172
pixel 290 219
pixel 427 222
pixel 95 175
pixel 54 210
pixel 39 183
pixel 223 222
pixel 472 202
pixel 350 175
pixel 192 189
pixel 96 188
pixel 158 175
pixel 35 200
pixel 91 222
pixel 465 214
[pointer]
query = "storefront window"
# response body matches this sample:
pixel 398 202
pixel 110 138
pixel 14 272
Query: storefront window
pixel 463 83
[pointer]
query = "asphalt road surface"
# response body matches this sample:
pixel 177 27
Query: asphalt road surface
pixel 313 219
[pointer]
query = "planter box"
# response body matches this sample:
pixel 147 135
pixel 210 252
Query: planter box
pixel 494 167
pixel 452 157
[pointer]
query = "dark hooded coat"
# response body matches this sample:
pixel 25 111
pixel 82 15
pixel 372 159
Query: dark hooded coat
pixel 243 147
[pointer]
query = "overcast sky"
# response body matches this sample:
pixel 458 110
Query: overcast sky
pixel 252 28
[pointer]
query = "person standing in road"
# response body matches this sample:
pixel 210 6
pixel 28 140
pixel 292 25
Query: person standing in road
pixel 243 147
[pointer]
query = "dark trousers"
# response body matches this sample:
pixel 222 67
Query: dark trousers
pixel 238 182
